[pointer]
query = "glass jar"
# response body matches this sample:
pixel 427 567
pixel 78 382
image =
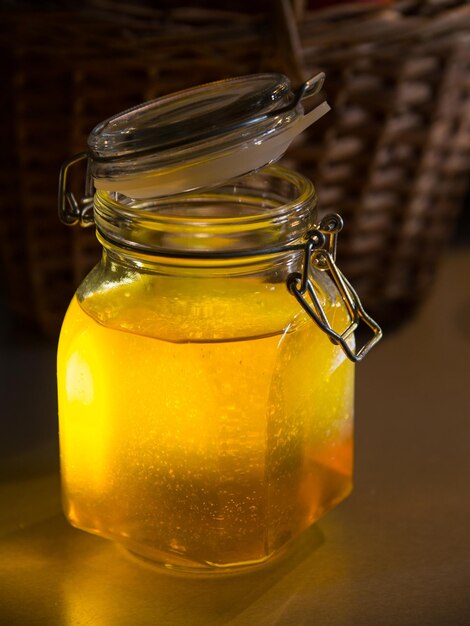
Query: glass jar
pixel 205 419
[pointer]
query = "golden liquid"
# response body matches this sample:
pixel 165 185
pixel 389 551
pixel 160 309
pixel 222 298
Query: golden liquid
pixel 199 452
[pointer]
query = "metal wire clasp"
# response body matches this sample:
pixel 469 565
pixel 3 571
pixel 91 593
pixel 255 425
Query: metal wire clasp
pixel 71 210
pixel 320 252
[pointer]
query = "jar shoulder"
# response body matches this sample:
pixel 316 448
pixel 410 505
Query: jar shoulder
pixel 179 307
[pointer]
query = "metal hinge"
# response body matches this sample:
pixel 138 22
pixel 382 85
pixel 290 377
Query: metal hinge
pixel 71 210
pixel 320 253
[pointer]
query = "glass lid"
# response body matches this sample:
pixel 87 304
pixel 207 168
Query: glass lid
pixel 200 137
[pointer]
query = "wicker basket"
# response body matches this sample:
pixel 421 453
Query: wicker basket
pixel 392 158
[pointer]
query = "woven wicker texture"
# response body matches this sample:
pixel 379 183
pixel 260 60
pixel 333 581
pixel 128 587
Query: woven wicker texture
pixel 393 156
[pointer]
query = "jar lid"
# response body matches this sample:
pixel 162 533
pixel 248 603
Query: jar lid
pixel 200 137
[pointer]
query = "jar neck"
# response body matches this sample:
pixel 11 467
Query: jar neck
pixel 258 218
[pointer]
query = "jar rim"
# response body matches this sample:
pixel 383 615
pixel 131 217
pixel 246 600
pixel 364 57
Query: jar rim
pixel 250 219
pixel 112 199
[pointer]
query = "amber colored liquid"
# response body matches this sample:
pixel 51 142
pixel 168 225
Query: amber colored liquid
pixel 201 453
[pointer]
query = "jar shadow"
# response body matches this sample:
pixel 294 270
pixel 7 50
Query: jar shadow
pixel 221 598
pixel 71 577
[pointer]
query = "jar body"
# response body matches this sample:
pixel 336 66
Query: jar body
pixel 205 420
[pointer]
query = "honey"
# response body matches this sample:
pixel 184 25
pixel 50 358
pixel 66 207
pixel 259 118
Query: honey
pixel 202 428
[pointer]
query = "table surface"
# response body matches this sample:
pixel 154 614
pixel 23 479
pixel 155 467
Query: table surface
pixel 396 552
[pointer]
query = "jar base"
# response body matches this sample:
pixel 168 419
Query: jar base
pixel 177 565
